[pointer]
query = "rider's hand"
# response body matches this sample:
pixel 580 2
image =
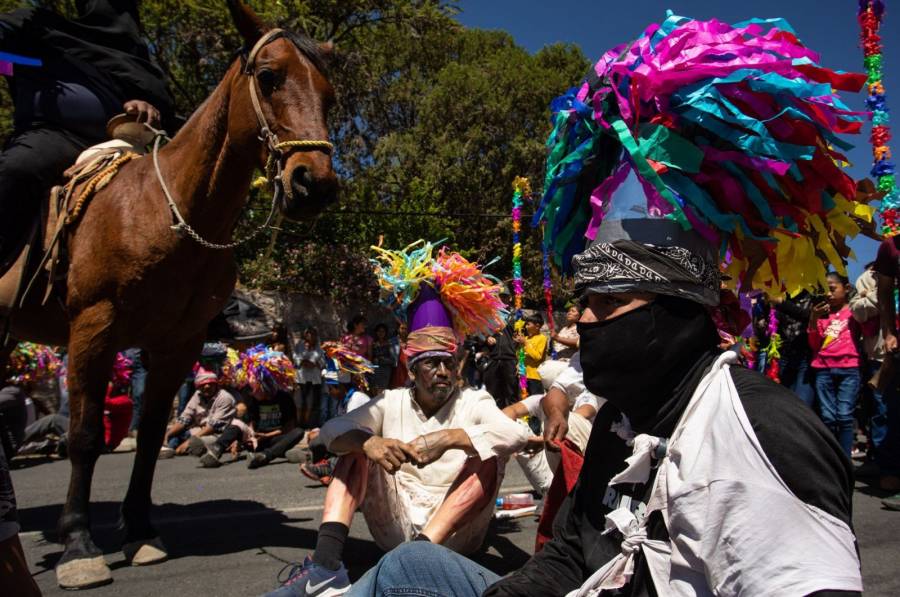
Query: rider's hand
pixel 144 110
pixel 182 449
pixel 389 453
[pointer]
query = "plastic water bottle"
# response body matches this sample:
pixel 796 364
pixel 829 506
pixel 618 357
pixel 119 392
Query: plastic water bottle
pixel 515 501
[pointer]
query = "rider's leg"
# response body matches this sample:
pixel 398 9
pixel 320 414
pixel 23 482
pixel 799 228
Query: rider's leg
pixel 30 164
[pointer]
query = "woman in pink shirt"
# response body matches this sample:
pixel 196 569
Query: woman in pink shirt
pixel 834 337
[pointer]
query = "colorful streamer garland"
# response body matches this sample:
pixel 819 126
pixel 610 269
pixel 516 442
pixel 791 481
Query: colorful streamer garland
pixel 883 169
pixel 521 188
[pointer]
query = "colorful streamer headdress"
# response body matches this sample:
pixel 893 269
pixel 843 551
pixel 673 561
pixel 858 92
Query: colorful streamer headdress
pixel 443 297
pixel 30 362
pixel 699 142
pixel 262 369
pixel 347 361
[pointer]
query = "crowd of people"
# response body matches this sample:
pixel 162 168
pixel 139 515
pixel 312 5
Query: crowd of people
pixel 686 440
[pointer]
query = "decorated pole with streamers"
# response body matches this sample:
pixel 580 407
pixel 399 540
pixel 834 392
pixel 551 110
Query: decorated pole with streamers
pixel 548 296
pixel 773 350
pixel 521 188
pixel 883 168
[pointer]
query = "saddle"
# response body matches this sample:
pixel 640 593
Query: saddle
pixel 42 263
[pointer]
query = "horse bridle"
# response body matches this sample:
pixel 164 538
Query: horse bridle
pixel 277 152
pixel 276 148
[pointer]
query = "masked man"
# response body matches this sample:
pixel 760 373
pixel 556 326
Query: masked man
pixel 90 69
pixel 422 463
pixel 700 477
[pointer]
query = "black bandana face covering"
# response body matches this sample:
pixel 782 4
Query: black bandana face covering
pixel 637 360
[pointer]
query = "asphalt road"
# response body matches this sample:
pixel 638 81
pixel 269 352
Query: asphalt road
pixel 230 530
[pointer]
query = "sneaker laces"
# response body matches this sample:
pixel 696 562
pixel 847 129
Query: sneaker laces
pixel 295 572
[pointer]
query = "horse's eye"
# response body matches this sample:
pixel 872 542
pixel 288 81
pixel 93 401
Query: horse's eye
pixel 267 81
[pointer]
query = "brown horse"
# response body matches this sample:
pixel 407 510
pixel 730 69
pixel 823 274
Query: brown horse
pixel 134 280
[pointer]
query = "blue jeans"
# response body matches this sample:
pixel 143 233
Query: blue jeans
pixel 180 438
pixel 328 407
pixel 423 569
pixel 184 393
pixel 837 389
pixel 138 383
pixel 797 376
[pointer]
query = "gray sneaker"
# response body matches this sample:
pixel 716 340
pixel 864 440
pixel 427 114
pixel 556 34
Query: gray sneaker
pixel 297 455
pixel 312 580
pixel 166 452
pixel 196 446
pixel 211 458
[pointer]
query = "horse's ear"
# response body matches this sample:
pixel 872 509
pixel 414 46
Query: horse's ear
pixel 248 23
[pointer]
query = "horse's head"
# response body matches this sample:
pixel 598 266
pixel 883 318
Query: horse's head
pixel 285 93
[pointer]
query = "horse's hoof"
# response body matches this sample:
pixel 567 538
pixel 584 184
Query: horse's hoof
pixel 83 573
pixel 145 552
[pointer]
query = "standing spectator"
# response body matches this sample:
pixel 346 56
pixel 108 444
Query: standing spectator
pixel 864 306
pixel 400 378
pixel 795 371
pixel 208 412
pixel 499 374
pixel 833 336
pixel 356 338
pixel 535 344
pixel 384 359
pixel 887 268
pixel 565 341
pixel 138 382
pixel 310 361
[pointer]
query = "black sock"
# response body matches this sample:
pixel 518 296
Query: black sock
pixel 422 537
pixel 330 545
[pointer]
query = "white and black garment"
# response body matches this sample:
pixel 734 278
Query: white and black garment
pixel 751 497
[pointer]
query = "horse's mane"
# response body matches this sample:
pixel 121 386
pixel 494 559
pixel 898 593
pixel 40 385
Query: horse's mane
pixel 307 46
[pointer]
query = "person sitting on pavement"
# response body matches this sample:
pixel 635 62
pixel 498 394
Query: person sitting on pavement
pixel 208 412
pixel 348 396
pixel 422 463
pixel 564 381
pixel 272 431
pixel 730 484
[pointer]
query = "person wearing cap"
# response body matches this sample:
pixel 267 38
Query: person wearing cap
pixel 208 412
pixel 72 76
pixel 727 483
pixel 421 463
pixel 347 396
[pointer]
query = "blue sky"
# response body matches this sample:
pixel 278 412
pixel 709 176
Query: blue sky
pixel 827 26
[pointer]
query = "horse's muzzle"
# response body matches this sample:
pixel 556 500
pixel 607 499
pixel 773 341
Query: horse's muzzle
pixel 309 194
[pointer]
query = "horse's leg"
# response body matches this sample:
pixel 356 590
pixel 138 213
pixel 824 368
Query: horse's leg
pixel 90 363
pixel 166 372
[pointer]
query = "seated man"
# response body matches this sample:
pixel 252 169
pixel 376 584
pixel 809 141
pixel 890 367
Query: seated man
pixel 208 411
pixel 272 430
pixel 564 382
pixel 422 463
